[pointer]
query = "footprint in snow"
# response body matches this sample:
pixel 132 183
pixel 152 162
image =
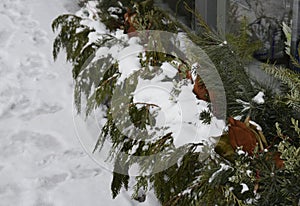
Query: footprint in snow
pixel 14 10
pixel 83 173
pixel 40 37
pixel 17 105
pixel 6 31
pixel 50 182
pixel 29 23
pixel 72 154
pixel 48 159
pixel 35 65
pixel 42 202
pixel 9 92
pixel 35 140
pixel 9 150
pixel 34 60
pixel 42 109
pixel 8 191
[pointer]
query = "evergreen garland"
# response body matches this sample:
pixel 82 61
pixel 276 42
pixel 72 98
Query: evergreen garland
pixel 230 178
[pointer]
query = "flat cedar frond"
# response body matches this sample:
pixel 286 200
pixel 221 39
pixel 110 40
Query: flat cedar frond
pixel 289 78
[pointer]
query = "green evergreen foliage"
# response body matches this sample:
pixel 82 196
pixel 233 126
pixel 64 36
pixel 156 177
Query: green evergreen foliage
pixel 73 36
pixel 267 114
pixel 222 183
pixel 205 116
pixel 105 15
pixel 292 80
pixel 230 57
pixel 242 43
pixel 196 179
pixel 281 186
pixel 145 21
pixel 217 183
pixel 119 181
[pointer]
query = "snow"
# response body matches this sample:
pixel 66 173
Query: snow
pixel 259 98
pixel 258 127
pixel 246 105
pixel 224 167
pixel 187 191
pixel 114 10
pixel 249 173
pixel 128 60
pixel 178 113
pixel 241 152
pixel 245 188
pixel 41 160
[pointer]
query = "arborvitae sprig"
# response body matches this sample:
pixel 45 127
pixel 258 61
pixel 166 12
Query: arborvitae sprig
pixel 119 179
pixel 73 37
pixel 242 43
pixel 289 78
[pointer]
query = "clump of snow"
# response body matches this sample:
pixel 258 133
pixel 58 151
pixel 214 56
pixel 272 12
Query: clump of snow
pixel 241 152
pixel 249 173
pixel 238 117
pixel 186 191
pixel 179 114
pixel 128 60
pixel 168 70
pixel 223 43
pixel 224 167
pixel 259 98
pixel 258 127
pixel 179 162
pixel 90 10
pixel 246 105
pixel 114 10
pixel 245 188
pixel 89 15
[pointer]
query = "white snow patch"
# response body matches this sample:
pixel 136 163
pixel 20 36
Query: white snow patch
pixel 114 10
pixel 245 188
pixel 259 98
pixel 241 152
pixel 258 127
pixel 179 162
pixel 187 191
pixel 238 117
pixel 249 173
pixel 169 70
pixel 224 167
pixel 128 61
pixel 246 105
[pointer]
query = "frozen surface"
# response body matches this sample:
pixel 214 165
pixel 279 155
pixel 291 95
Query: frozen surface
pixel 41 160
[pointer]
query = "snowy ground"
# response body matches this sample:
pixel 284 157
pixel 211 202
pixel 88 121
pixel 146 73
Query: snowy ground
pixel 41 160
